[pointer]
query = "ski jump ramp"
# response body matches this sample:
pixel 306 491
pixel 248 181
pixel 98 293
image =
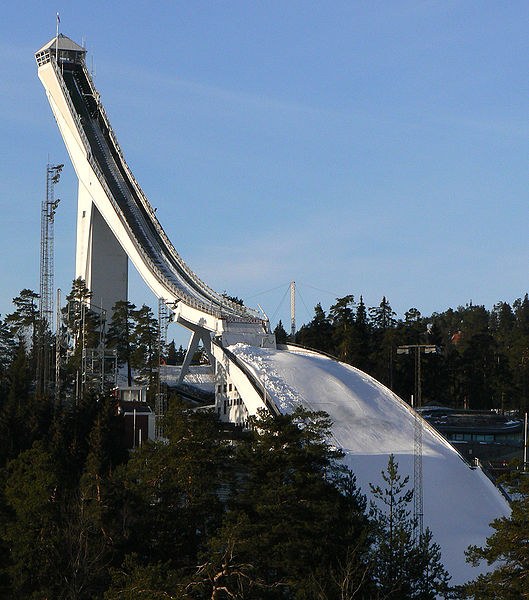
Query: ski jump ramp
pixel 116 223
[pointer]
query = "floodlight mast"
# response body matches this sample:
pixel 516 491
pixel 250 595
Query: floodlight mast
pixel 47 292
pixel 293 310
pixel 418 510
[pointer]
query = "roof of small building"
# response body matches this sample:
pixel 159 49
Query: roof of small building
pixel 63 43
pixel 128 406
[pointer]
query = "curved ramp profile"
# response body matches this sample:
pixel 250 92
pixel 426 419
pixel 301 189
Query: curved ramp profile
pixel 371 422
pixel 106 181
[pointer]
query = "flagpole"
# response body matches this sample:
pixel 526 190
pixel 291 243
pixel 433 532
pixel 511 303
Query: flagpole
pixel 525 444
pixel 58 20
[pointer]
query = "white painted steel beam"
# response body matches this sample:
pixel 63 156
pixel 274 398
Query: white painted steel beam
pixel 115 220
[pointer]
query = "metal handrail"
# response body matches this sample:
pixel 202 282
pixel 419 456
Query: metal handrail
pixel 185 297
pixel 203 288
pixel 252 378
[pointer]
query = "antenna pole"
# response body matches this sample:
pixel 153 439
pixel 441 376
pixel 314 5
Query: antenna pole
pixel 46 312
pixel 292 309
pixel 58 20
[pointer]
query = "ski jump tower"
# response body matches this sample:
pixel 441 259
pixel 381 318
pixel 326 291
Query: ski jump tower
pixel 116 222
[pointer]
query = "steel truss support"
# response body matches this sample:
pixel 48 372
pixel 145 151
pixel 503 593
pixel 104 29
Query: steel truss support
pixel 47 271
pixel 165 316
pixel 199 334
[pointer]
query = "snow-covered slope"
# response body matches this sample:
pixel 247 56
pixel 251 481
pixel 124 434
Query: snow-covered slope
pixel 370 422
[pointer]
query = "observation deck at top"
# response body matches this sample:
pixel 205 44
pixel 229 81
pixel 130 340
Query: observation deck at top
pixel 115 221
pixel 113 208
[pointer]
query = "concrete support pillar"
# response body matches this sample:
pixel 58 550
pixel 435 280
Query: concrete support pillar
pixel 198 334
pixel 100 259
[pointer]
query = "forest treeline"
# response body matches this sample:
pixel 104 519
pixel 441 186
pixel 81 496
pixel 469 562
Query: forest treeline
pixel 483 359
pixel 206 514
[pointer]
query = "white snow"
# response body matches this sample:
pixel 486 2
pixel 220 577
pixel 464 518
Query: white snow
pixel 371 422
pixel 200 376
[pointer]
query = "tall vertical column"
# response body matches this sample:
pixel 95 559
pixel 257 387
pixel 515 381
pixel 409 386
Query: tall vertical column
pixel 293 310
pixel 100 259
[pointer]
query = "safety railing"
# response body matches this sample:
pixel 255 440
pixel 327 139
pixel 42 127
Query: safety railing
pixel 252 378
pixel 203 288
pixel 208 301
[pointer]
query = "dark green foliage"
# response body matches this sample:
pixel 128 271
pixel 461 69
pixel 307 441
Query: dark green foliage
pixel 360 346
pixel 295 516
pixel 506 553
pixel 342 317
pixel 483 361
pixel 269 516
pixel 134 580
pixel 174 356
pixel 120 334
pixel 280 333
pixel 165 500
pixel 26 314
pixel 406 564
pixel 318 333
pixel 144 356
pixel 32 534
pixel 82 330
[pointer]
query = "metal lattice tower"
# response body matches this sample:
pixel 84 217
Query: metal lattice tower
pixel 99 366
pixel 160 407
pixel 418 511
pixel 46 312
pixel 417 450
pixel 417 476
pixel 58 345
pixel 49 207
pixel 293 309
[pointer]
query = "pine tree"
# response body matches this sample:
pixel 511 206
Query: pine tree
pixel 405 565
pixel 360 350
pixel 144 357
pixel 280 333
pixel 295 515
pixel 507 551
pixel 317 334
pixel 26 314
pixel 120 334
pixel 382 316
pixel 16 413
pixel 83 330
pixel 171 353
pixel 31 493
pixel 164 503
pixel 342 318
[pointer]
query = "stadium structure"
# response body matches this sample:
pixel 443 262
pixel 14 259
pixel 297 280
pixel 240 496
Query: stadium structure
pixel 117 224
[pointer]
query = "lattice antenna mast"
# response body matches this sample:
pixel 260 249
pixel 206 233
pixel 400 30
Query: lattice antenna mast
pixel 49 207
pixel 292 309
pixel 160 408
pixel 418 509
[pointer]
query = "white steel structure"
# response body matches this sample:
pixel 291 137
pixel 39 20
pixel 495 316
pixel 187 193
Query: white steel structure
pixel 117 223
pixel 115 219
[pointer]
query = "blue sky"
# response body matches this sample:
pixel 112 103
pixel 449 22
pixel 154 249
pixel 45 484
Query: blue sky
pixel 375 148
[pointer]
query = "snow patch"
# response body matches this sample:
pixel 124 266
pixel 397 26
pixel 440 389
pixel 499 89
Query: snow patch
pixel 369 423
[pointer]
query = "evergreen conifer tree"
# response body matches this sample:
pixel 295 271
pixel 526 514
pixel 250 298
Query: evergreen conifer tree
pixel 295 515
pixel 507 552
pixel 120 334
pixel 280 333
pixel 144 357
pixel 342 317
pixel 317 334
pixel 406 564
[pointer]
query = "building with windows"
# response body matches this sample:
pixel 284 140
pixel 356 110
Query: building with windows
pixel 485 435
